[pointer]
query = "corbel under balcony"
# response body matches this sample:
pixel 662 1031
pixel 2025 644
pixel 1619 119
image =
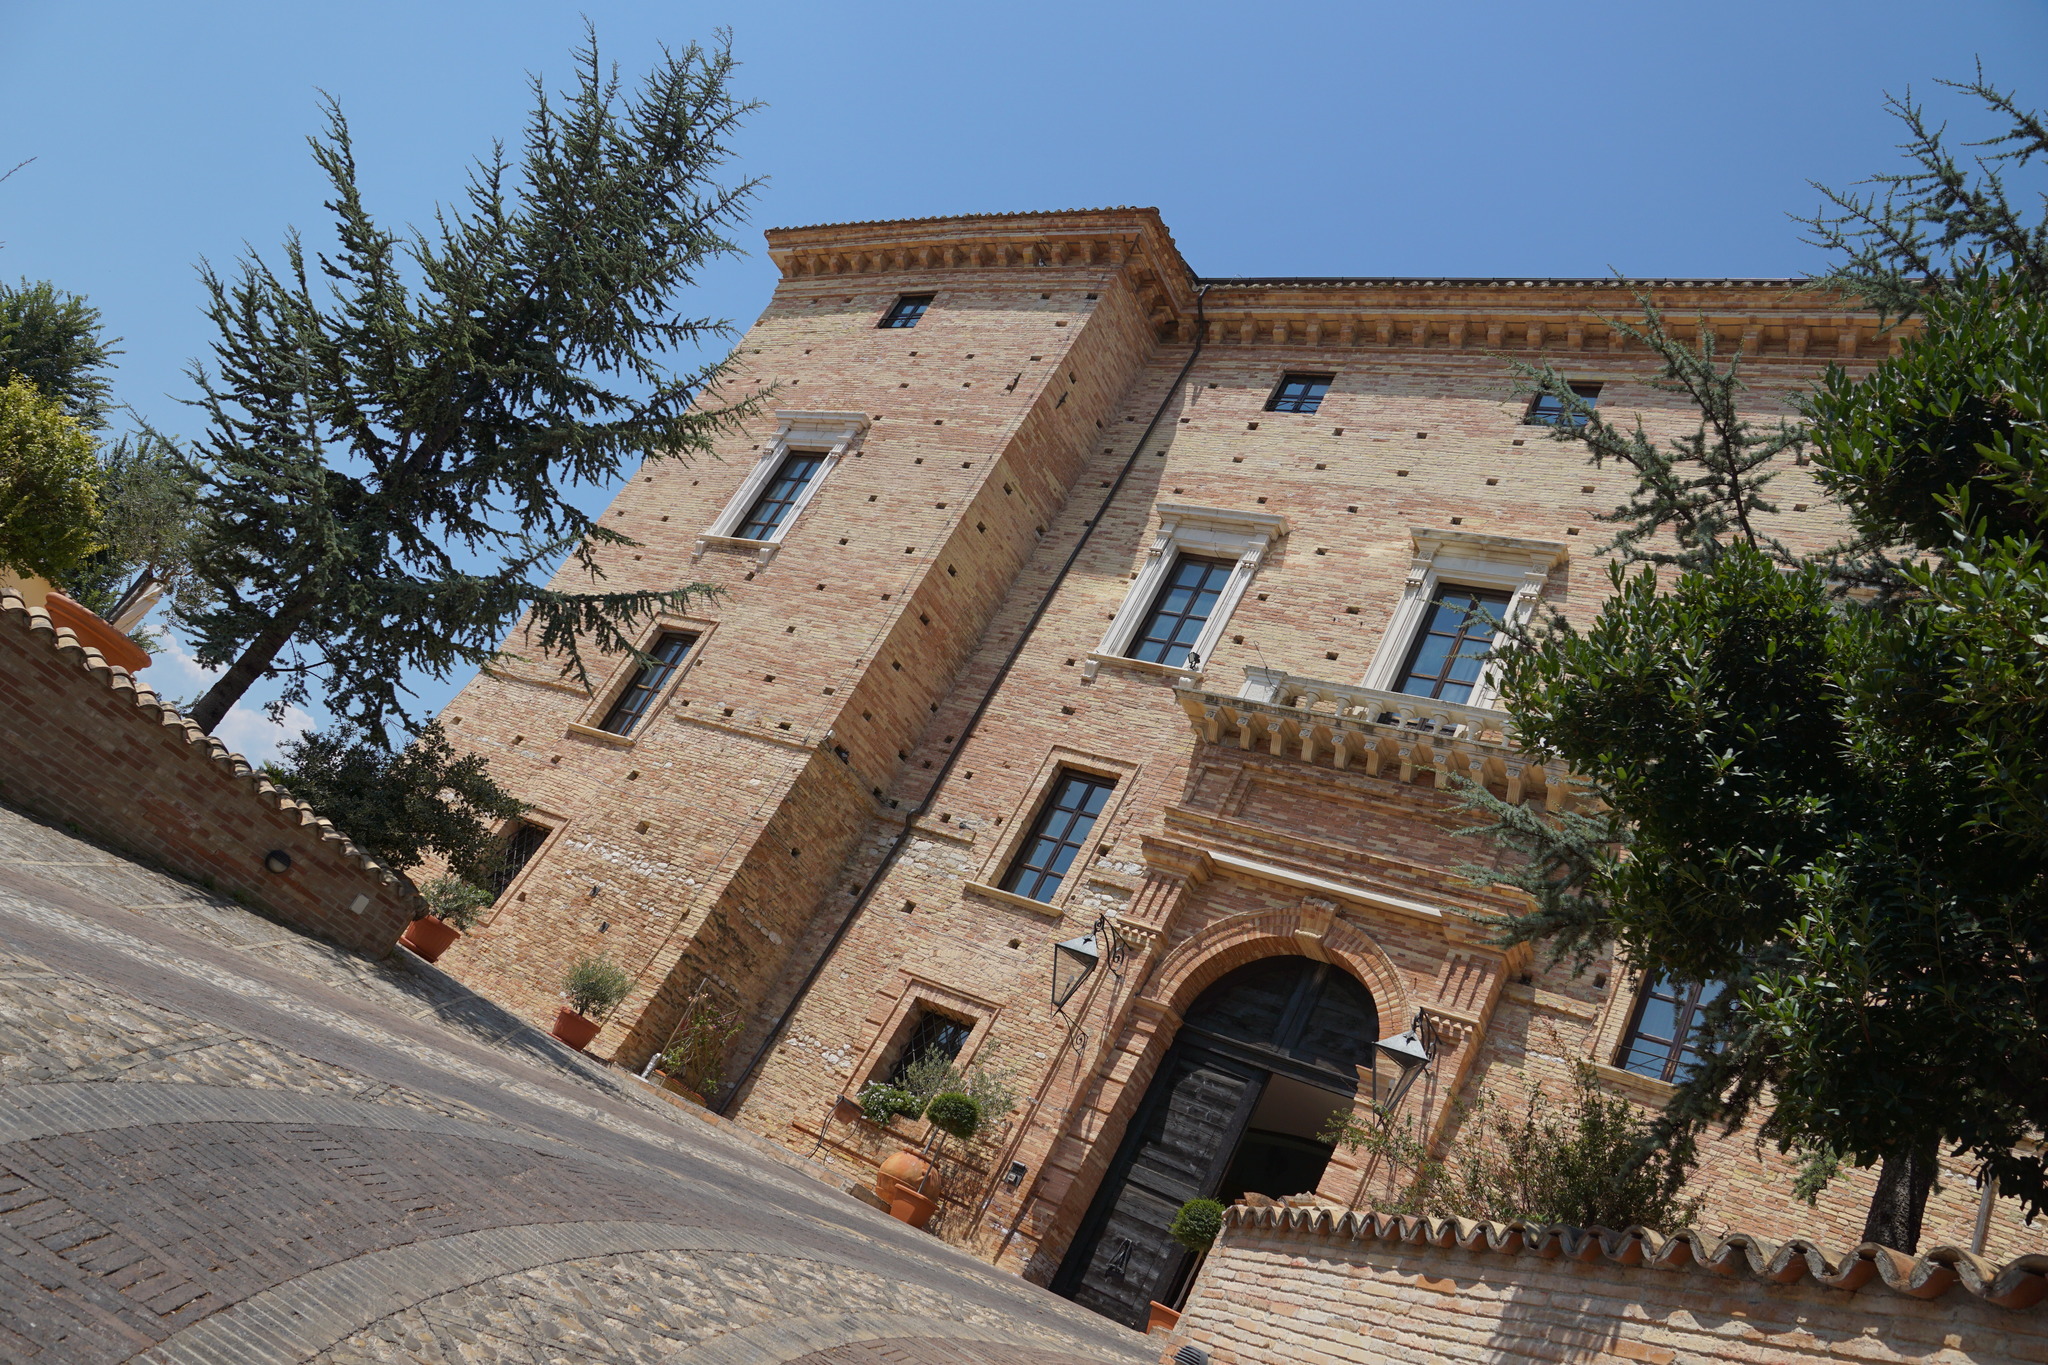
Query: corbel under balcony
pixel 1386 734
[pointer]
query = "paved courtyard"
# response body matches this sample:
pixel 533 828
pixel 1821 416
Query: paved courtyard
pixel 221 1141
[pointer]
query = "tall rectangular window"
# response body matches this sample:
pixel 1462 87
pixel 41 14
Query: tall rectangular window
pixel 1664 1041
pixel 1058 835
pixel 521 843
pixel 799 467
pixel 647 682
pixel 1449 651
pixel 1547 409
pixel 1300 393
pixel 1183 606
pixel 906 311
pixel 934 1035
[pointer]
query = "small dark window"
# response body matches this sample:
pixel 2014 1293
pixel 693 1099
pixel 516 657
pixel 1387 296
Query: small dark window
pixel 906 311
pixel 799 467
pixel 1182 608
pixel 647 682
pixel 522 841
pixel 932 1035
pixel 1663 1041
pixel 1300 393
pixel 1060 832
pixel 1449 652
pixel 1547 410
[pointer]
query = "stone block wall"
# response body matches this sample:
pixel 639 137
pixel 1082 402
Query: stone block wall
pixel 85 744
pixel 1293 1285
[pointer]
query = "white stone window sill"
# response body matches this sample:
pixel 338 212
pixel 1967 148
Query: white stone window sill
pixel 996 893
pixel 601 736
pixel 1096 660
pixel 1647 1089
pixel 762 550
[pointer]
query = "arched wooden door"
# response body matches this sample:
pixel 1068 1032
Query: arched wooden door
pixel 1280 1038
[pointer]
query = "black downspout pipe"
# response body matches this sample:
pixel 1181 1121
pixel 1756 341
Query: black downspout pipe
pixel 967 731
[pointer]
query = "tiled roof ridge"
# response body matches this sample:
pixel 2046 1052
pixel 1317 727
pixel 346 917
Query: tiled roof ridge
pixel 2018 1283
pixel 61 640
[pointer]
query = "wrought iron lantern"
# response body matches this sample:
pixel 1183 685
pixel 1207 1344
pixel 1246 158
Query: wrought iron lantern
pixel 1412 1051
pixel 1075 960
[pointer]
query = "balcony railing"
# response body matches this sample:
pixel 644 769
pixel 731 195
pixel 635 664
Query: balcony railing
pixel 1387 733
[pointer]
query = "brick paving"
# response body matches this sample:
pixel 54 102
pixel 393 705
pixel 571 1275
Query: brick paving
pixel 223 1141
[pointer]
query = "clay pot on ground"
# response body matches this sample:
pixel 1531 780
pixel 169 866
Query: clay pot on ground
pixel 430 936
pixel 908 1206
pixel 675 1084
pixel 573 1029
pixel 1161 1318
pixel 905 1169
pixel 116 648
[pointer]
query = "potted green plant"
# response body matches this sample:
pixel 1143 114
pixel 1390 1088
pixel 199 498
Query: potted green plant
pixel 593 986
pixel 693 1063
pixel 951 1114
pixel 1195 1225
pixel 453 906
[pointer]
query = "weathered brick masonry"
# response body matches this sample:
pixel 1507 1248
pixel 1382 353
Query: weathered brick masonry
pixel 86 744
pixel 1260 806
pixel 1288 1285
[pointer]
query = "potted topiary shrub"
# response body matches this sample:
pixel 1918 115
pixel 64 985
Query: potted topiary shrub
pixel 453 906
pixel 1195 1225
pixel 879 1102
pixel 952 1114
pixel 593 986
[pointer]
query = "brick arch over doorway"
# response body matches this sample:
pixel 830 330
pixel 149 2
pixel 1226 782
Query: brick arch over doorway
pixel 1081 1157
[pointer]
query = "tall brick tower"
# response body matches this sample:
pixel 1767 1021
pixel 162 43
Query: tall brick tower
pixel 1067 594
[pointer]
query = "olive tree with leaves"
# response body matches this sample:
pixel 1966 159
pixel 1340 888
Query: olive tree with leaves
pixel 1824 782
pixel 396 429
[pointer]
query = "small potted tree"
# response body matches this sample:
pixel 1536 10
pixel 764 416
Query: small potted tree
pixel 1195 1225
pixel 692 1065
pixel 453 907
pixel 951 1114
pixel 593 987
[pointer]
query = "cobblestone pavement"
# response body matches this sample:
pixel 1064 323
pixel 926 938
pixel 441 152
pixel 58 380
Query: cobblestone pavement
pixel 222 1141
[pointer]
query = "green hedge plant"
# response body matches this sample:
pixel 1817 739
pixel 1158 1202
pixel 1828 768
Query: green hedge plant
pixel 1196 1224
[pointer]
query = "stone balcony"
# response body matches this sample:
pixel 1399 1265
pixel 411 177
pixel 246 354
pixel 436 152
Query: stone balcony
pixel 1384 733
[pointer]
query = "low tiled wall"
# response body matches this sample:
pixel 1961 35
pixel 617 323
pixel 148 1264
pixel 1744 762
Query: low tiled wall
pixel 83 743
pixel 1324 1286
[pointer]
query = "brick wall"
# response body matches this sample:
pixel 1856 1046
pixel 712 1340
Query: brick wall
pixel 85 744
pixel 1284 1286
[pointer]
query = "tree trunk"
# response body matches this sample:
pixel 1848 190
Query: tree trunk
pixel 242 674
pixel 1900 1202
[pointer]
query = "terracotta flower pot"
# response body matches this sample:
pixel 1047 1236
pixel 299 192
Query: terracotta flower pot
pixel 430 936
pixel 1161 1318
pixel 845 1110
pixel 905 1170
pixel 573 1029
pixel 116 648
pixel 674 1083
pixel 908 1206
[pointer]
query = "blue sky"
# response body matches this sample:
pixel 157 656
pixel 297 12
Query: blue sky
pixel 1279 138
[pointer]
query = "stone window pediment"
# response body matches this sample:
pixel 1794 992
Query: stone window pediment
pixel 1187 532
pixel 835 435
pixel 1513 565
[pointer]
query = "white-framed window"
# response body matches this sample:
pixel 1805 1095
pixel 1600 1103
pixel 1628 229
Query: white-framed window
pixel 1432 610
pixel 1200 563
pixel 806 448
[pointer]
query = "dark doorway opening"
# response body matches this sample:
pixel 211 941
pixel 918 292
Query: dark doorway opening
pixel 1262 1059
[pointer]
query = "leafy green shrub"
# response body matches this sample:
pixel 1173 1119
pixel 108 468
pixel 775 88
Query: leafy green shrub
pixel 49 485
pixel 882 1102
pixel 455 902
pixel 595 985
pixel 1196 1224
pixel 955 1114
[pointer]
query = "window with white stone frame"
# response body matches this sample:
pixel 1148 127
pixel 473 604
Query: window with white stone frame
pixel 1486 567
pixel 793 466
pixel 1177 608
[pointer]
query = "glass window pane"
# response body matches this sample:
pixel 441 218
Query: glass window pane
pixel 1061 832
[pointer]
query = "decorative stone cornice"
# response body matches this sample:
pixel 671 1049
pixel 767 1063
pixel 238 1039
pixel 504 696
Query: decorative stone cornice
pixel 1765 318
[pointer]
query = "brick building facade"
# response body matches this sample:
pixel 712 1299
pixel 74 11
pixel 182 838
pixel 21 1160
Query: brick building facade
pixel 1061 583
